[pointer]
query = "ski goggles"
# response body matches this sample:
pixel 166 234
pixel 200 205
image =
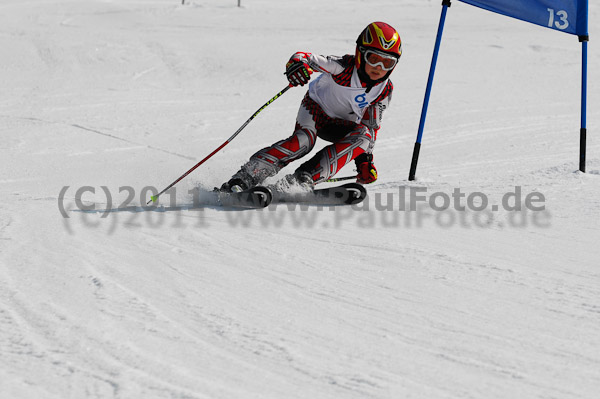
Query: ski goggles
pixel 374 58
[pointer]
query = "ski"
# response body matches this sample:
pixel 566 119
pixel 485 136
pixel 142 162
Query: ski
pixel 255 197
pixel 346 194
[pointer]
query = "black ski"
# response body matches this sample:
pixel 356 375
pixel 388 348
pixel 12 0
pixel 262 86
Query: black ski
pixel 346 194
pixel 255 197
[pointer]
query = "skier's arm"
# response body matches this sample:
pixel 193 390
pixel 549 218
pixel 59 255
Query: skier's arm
pixel 301 65
pixel 374 113
pixel 367 172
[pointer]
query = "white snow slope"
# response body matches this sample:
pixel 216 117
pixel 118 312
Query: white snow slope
pixel 363 302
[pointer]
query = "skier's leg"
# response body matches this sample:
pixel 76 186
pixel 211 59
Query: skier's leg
pixel 327 162
pixel 270 160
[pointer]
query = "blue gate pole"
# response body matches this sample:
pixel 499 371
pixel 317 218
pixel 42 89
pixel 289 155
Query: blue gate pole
pixel 583 130
pixel 438 40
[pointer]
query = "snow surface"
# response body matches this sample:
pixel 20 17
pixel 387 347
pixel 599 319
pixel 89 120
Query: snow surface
pixel 308 302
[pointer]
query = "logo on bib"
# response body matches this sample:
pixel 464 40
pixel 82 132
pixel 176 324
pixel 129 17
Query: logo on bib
pixel 361 100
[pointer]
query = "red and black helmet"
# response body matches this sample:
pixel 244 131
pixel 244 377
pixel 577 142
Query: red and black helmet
pixel 378 37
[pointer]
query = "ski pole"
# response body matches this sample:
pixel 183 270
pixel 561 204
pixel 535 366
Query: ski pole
pixel 155 197
pixel 336 179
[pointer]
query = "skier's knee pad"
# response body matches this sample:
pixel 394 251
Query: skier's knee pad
pixel 362 138
pixel 306 140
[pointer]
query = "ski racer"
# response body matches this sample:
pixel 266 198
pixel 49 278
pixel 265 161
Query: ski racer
pixel 344 106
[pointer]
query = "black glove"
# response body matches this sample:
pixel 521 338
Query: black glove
pixel 298 72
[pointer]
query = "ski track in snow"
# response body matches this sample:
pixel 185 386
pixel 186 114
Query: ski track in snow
pixel 290 301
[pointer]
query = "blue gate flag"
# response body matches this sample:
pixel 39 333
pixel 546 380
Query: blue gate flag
pixel 569 16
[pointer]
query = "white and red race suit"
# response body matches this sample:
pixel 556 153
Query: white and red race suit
pixel 338 108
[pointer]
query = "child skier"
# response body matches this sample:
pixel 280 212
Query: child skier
pixel 343 105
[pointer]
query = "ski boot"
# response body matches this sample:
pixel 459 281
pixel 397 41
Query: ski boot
pixel 299 181
pixel 234 185
pixel 241 181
